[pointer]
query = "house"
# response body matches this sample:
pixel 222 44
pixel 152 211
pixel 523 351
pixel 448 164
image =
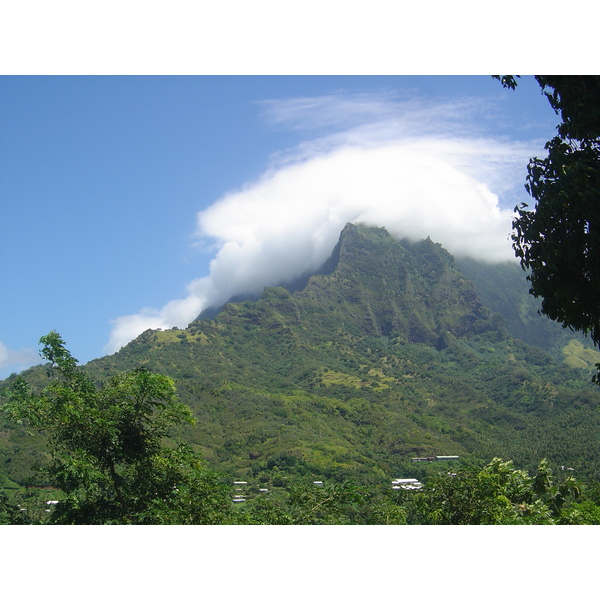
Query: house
pixel 432 458
pixel 406 484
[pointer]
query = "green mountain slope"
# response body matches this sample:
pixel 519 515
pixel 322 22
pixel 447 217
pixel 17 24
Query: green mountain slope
pixel 504 289
pixel 388 354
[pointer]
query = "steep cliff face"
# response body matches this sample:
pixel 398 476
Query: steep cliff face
pixel 388 288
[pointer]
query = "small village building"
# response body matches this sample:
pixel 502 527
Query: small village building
pixel 432 458
pixel 406 484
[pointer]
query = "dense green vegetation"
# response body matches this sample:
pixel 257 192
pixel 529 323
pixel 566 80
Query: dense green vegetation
pixel 388 354
pixel 112 463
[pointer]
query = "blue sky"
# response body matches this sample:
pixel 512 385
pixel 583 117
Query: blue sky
pixel 116 193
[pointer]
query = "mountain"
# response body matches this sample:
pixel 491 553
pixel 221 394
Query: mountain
pixel 389 353
pixel 503 288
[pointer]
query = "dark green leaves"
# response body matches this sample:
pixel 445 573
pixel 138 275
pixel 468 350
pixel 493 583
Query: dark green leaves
pixel 559 239
pixel 507 81
pixel 498 494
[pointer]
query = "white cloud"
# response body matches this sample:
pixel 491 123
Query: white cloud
pixel 16 360
pixel 177 313
pixel 400 165
pixel 388 113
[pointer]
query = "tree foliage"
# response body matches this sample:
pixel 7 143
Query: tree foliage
pixel 559 239
pixel 498 494
pixel 10 514
pixel 108 448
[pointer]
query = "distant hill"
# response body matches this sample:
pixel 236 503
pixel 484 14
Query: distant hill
pixel 393 351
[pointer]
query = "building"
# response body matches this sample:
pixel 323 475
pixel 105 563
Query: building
pixel 432 458
pixel 406 484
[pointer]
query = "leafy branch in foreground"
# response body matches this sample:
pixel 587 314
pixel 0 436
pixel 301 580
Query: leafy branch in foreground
pixel 559 240
pixel 110 448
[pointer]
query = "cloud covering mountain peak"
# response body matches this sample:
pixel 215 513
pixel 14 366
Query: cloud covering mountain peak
pixel 376 172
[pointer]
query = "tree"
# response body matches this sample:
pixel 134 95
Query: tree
pixel 498 494
pixel 111 452
pixel 11 514
pixel 558 240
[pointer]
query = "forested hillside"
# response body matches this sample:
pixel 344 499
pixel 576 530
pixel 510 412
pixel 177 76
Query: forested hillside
pixel 390 353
